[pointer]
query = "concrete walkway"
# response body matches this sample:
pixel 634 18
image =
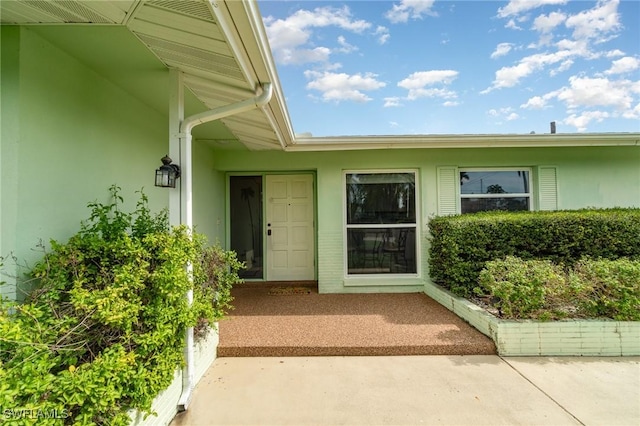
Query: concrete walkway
pixel 415 390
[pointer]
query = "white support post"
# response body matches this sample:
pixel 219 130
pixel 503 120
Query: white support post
pixel 176 115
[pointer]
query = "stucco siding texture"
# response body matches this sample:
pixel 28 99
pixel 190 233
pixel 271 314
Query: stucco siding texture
pixel 312 324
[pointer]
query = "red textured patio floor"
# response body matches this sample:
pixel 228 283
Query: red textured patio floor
pixel 264 324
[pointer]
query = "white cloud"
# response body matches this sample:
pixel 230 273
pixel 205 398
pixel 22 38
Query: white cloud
pixel 633 114
pixel 624 65
pixel 537 102
pixel 425 78
pixel 392 102
pixel 546 23
pixel 590 92
pixel 382 33
pixel 418 84
pixel 596 22
pixel 511 24
pixel 589 28
pixel 451 103
pixel 290 38
pixel 613 53
pixel 332 67
pixel 587 98
pixel 501 50
pixel 564 66
pixel 516 7
pixel 511 76
pixel 597 25
pixel 410 9
pixel 503 114
pixel 339 87
pixel 506 113
pixel 544 40
pixel 431 93
pixel 344 46
pixel 303 56
pixel 568 51
pixel 580 121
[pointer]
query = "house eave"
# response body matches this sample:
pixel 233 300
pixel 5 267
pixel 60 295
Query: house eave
pixel 344 143
pixel 248 39
pixel 220 47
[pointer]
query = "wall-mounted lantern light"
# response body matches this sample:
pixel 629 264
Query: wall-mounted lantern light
pixel 167 174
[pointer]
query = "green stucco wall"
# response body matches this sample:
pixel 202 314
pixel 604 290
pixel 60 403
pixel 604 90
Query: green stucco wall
pixel 9 135
pixel 587 177
pixel 208 195
pixel 68 134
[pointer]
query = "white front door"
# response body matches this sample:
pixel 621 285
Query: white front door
pixel 290 234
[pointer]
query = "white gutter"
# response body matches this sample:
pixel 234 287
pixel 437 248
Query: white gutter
pixel 250 46
pixel 343 143
pixel 186 209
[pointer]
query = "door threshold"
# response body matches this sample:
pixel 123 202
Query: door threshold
pixel 268 284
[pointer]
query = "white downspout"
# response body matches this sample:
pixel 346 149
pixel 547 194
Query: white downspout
pixel 186 209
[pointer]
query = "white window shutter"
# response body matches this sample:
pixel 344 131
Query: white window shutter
pixel 448 198
pixel 547 188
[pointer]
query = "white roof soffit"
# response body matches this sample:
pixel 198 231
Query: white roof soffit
pixel 206 40
pixel 25 12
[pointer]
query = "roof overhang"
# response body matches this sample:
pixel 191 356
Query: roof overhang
pixel 219 46
pixel 222 49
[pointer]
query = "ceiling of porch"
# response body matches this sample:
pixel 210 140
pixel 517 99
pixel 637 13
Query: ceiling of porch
pixel 133 43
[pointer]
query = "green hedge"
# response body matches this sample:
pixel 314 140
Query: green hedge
pixel 461 245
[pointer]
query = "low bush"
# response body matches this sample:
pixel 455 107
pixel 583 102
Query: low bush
pixel 540 289
pixel 608 288
pixel 103 331
pixel 461 245
pixel 521 288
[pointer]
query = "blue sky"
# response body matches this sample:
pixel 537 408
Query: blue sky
pixel 457 67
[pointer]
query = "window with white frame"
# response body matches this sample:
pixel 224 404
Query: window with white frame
pixel 495 189
pixel 381 225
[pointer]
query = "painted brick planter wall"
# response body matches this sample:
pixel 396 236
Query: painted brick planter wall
pixel 166 403
pixel 534 338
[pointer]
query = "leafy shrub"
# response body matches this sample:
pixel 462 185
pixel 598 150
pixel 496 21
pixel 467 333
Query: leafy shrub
pixel 540 289
pixel 608 288
pixel 461 245
pixel 104 330
pixel 215 273
pixel 522 288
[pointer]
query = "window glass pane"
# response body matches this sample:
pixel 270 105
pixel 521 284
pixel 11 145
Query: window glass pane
pixel 381 250
pixel 245 195
pixel 381 198
pixel 494 182
pixel 472 205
